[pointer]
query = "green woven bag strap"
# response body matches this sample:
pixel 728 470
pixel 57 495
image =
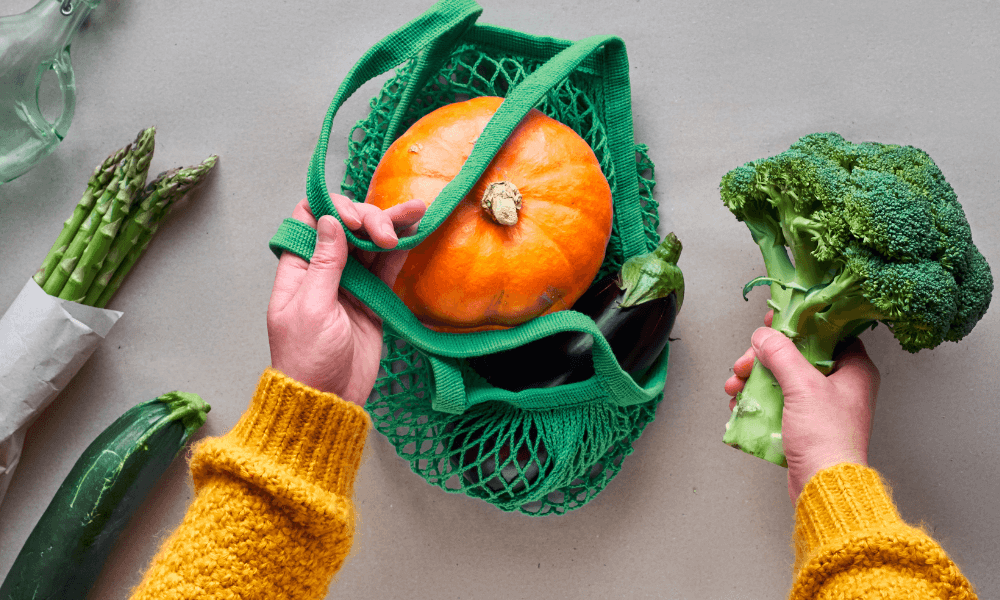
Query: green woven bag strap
pixel 383 56
pixel 440 349
pixel 428 39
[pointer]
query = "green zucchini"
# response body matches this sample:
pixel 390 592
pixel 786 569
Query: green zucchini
pixel 65 552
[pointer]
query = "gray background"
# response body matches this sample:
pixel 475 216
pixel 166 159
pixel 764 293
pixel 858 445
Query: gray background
pixel 715 84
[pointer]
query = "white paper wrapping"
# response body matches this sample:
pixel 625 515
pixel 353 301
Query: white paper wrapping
pixel 43 343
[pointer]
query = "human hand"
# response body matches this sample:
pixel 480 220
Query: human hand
pixel 319 334
pixel 826 420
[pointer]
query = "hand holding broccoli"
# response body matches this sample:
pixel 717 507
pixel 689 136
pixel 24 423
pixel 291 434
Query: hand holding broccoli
pixel 852 235
pixel 826 419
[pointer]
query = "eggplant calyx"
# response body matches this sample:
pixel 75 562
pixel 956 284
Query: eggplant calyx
pixel 502 201
pixel 653 275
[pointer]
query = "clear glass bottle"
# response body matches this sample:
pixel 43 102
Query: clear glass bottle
pixel 30 44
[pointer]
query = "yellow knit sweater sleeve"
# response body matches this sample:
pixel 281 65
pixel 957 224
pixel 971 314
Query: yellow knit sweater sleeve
pixel 272 516
pixel 850 542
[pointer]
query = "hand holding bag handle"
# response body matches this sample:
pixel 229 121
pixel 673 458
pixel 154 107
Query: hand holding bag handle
pixel 429 38
pixel 450 394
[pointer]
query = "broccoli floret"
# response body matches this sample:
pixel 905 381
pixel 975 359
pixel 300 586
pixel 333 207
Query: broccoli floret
pixel 852 235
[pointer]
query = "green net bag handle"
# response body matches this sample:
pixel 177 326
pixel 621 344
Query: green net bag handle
pixel 428 38
pixel 387 54
pixel 450 392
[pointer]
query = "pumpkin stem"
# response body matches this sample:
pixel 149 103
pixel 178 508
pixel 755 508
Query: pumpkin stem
pixel 501 201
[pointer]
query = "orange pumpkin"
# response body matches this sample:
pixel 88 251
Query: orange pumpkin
pixel 529 238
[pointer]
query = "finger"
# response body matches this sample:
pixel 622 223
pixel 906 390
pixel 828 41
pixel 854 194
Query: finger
pixel 734 385
pixel 779 354
pixel 287 279
pixel 319 287
pixel 406 214
pixel 291 268
pixel 388 264
pixel 404 218
pixel 367 259
pixel 303 212
pixel 856 371
pixel 769 317
pixel 732 404
pixel 377 225
pixel 347 210
pixel 744 364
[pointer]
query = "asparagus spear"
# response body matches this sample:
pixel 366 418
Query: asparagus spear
pixel 95 189
pixel 138 221
pixel 54 283
pixel 134 172
pixel 64 268
pixel 156 201
pixel 118 277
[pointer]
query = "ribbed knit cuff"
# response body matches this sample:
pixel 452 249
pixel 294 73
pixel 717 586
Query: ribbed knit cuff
pixel 839 501
pixel 316 435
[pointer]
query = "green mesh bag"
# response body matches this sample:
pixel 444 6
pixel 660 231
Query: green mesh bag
pixel 538 451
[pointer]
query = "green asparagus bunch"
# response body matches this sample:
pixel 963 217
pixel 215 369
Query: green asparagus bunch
pixel 113 223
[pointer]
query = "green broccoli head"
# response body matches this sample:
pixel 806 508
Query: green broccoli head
pixel 854 234
pixel 916 299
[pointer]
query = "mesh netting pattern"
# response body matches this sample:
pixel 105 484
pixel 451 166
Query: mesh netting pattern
pixel 531 461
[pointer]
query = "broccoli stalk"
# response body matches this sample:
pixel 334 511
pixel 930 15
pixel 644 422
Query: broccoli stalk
pixel 851 235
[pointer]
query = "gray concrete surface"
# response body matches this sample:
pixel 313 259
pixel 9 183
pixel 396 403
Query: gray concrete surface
pixel 715 84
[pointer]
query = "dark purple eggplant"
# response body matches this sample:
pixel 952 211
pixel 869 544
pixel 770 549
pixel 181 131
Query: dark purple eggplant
pixel 483 472
pixel 634 310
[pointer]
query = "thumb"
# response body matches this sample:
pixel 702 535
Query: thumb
pixel 856 373
pixel 780 356
pixel 328 260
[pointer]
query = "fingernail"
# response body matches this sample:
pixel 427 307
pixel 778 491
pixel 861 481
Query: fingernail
pixel 758 337
pixel 354 215
pixel 389 231
pixel 323 231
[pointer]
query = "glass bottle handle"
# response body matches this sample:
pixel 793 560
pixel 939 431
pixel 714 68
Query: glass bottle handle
pixel 67 84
